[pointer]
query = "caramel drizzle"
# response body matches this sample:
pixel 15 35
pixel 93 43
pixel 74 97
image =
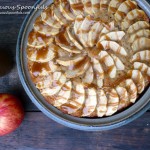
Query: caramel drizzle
pixel 37 68
pixel 61 38
pixel 50 15
pixel 88 4
pixel 42 53
pixel 77 6
pixel 97 6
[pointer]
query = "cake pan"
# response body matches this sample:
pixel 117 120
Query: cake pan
pixel 86 124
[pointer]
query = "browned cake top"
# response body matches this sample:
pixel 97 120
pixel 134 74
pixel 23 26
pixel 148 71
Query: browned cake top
pixel 90 58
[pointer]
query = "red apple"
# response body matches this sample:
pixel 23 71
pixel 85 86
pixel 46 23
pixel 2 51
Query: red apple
pixel 11 113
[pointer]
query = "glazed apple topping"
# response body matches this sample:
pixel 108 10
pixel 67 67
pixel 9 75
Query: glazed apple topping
pixel 90 58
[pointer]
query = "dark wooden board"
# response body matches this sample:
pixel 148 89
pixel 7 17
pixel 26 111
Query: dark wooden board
pixel 9 29
pixel 41 133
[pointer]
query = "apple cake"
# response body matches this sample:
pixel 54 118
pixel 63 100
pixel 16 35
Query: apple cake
pixel 90 58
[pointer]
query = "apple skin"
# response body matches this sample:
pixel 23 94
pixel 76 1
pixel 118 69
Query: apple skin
pixel 11 113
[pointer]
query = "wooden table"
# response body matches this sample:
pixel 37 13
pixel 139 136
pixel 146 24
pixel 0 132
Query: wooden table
pixel 38 132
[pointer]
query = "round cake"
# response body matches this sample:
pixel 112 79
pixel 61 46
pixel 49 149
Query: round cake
pixel 90 58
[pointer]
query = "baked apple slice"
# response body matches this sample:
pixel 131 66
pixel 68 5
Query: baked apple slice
pixel 112 36
pixel 102 101
pixel 132 17
pixel 123 97
pixel 138 26
pixel 89 76
pixel 58 15
pixel 43 54
pixel 75 102
pixel 48 17
pixel 44 28
pixel 79 97
pixel 90 102
pixel 118 63
pixel 64 42
pixel 113 102
pixel 138 34
pixel 42 69
pixel 65 9
pixel 105 45
pixel 38 40
pixel 94 33
pixel 77 7
pixel 79 69
pixel 99 72
pixel 145 69
pixel 63 95
pixel 55 87
pixel 105 58
pixel 131 88
pixel 138 79
pixel 70 61
pixel 84 30
pixel 45 82
pixel 123 9
pixel 96 7
pixel 104 4
pixel 108 28
pixel 77 23
pixel 73 38
pixel 87 6
pixel 97 67
pixel 114 5
pixel 142 56
pixel 47 79
pixel 141 43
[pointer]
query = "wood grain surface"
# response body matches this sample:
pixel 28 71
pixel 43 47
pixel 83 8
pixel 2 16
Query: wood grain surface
pixel 38 132
pixel 41 133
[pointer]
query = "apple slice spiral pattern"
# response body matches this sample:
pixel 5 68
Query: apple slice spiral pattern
pixel 90 58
